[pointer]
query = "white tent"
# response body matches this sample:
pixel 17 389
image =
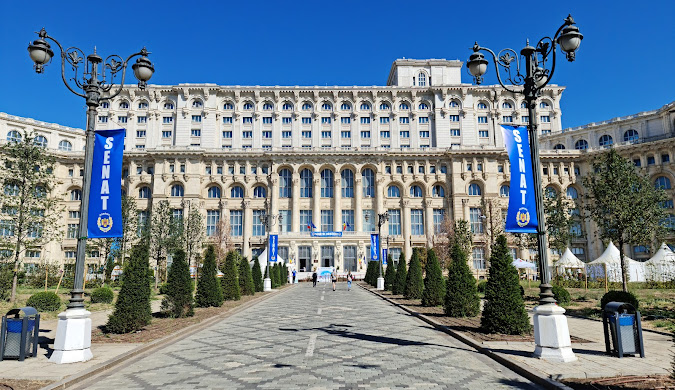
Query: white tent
pixel 661 267
pixel 568 261
pixel 262 259
pixel 611 259
pixel 522 264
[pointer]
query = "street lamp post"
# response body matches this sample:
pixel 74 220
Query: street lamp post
pixel 73 334
pixel 381 219
pixel 268 220
pixel 554 344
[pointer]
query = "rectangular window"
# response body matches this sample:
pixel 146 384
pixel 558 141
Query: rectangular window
pixel 196 133
pixel 227 120
pixel 167 120
pixel 140 146
pixel 247 134
pixel 348 220
pixel 385 134
pixel 439 216
pixel 286 134
pixel 368 220
pixel 237 223
pixel 267 134
pixel 74 214
pixel 306 120
pixel 665 158
pixel 444 169
pixel 365 120
pixel 545 119
pixel 482 119
pixel 142 119
pixel 417 222
pixel 394 222
pixel 72 230
pixel 286 220
pixel 404 120
pixel 102 119
pixel 345 120
pixel 384 120
pixel 455 132
pixel 453 118
pixel 286 120
pixel 325 120
pixel 424 119
pixel 140 133
pixel 196 118
pixel 651 160
pixel 346 134
pixel 122 119
pixel 405 134
pixel 327 220
pixel 227 134
pixel 212 220
pixel 478 257
pixel 247 120
pixel 305 220
pixel 546 131
pixel 525 119
pixel 258 225
pixel 166 134
pixel 306 134
pixel 365 134
pixel 177 214
pixel 305 258
pixel 424 134
pixel 507 119
pixel 476 220
pixel 483 134
pixel 267 120
pixel 325 134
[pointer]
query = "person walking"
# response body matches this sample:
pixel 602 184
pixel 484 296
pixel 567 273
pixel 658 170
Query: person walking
pixel 349 280
pixel 333 277
pixel 294 280
pixel 314 278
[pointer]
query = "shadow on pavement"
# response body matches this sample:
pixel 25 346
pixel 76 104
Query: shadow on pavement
pixel 518 384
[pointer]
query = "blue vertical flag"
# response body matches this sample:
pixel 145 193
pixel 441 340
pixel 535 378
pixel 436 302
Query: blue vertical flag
pixel 522 213
pixel 105 189
pixel 374 247
pixel 384 256
pixel 273 247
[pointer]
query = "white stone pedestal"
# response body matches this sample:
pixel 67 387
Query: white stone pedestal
pixel 380 283
pixel 72 343
pixel 551 334
pixel 267 284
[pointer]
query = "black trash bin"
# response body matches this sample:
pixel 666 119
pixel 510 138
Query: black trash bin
pixel 19 334
pixel 623 329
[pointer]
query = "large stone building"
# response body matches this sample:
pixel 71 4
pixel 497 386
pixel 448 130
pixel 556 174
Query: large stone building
pixel 327 160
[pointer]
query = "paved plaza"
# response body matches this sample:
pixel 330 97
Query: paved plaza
pixel 315 338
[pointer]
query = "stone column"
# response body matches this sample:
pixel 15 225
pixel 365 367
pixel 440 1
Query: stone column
pixel 274 198
pixel 316 203
pixel 295 195
pixel 337 205
pixel 405 228
pixel 248 228
pixel 358 205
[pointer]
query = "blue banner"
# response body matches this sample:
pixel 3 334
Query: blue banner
pixel 105 189
pixel 273 247
pixel 374 247
pixel 326 234
pixel 522 213
pixel 384 256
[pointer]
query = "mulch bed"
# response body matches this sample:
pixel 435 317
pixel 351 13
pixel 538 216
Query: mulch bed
pixel 622 382
pixel 22 384
pixel 164 326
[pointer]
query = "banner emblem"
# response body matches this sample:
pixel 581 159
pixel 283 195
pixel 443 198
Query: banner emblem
pixel 523 217
pixel 104 222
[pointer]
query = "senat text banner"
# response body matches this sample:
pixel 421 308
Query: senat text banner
pixel 522 214
pixel 105 194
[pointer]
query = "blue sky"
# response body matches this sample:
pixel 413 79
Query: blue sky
pixel 624 66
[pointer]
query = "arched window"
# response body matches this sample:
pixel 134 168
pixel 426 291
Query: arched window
pixel 422 79
pixel 453 104
pixel 507 105
pixel 345 107
pixel 214 192
pixel 423 106
pixel 482 106
pixel 306 107
pixel 65 146
pixel 268 107
pixel 143 105
pixel 228 106
pixel 13 136
pixel 285 183
pixel 385 107
pixel 474 189
pixel 40 191
pixel 416 191
pixel 630 135
pixel 523 105
pixel 606 140
pixel 13 189
pixel 326 183
pixel 248 106
pixel 550 192
pixel 572 193
pixel 124 105
pixel 438 191
pixel 306 183
pixel 259 192
pixel 41 141
pixel 504 191
pixel 581 144
pixel 197 104
pixel 168 106
pixel 544 105
pixel 76 194
pixel 287 106
pixel 326 107
pixel 368 183
pixel 403 106
pixel 177 190
pixel 662 182
pixel 669 222
pixel 237 192
pixel 393 192
pixel 365 106
pixel 559 147
pixel 144 192
pixel 347 183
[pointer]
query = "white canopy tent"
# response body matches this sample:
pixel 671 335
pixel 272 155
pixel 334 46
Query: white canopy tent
pixel 262 259
pixel 522 264
pixel 568 261
pixel 611 259
pixel 661 267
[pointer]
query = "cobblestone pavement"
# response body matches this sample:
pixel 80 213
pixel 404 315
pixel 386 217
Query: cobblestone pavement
pixel 315 338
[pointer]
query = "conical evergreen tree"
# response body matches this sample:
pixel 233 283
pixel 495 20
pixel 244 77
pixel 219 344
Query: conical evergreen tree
pixel 209 290
pixel 389 274
pixel 434 285
pixel 504 311
pixel 178 301
pixel 132 309
pixel 256 273
pixel 284 275
pixel 246 285
pixel 414 285
pixel 369 272
pixel 398 287
pixel 461 299
pixel 230 281
pixel 273 276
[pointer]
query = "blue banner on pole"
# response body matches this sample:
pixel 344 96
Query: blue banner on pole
pixel 374 247
pixel 384 256
pixel 105 189
pixel 273 247
pixel 522 213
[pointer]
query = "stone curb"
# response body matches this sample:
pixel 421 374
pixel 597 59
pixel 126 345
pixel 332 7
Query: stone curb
pixel 152 346
pixel 519 368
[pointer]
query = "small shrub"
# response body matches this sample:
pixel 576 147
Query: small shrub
pixel 561 295
pixel 230 279
pixel 256 273
pixel 434 285
pixel 481 286
pixel 44 301
pixel 209 290
pixel 178 301
pixel 414 282
pixel 398 288
pixel 461 299
pixel 390 274
pixel 246 285
pixel 102 295
pixel 619 296
pixel 162 289
pixel 6 276
pixel 132 308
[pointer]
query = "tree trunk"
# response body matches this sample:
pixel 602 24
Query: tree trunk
pixel 15 277
pixel 624 276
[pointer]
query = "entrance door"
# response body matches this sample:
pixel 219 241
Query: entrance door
pixel 350 258
pixel 327 256
pixel 305 258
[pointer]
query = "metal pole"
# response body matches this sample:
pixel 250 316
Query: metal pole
pixel 379 243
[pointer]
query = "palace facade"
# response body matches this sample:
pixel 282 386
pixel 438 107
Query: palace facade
pixel 424 148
